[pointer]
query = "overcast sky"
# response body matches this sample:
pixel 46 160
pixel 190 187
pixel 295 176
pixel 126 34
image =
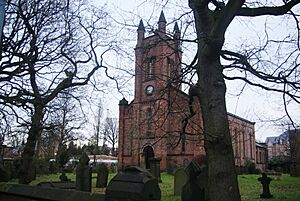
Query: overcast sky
pixel 253 104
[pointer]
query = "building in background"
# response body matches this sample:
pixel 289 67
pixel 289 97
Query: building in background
pixel 278 146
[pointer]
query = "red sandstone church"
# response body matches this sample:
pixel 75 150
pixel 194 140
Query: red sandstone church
pixel 152 125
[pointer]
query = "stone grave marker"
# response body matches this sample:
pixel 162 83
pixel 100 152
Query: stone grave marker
pixel 133 184
pixel 63 177
pixel 180 178
pixel 265 181
pixel 3 174
pixel 113 168
pixel 83 174
pixel 102 176
pixel 155 168
pixel 192 191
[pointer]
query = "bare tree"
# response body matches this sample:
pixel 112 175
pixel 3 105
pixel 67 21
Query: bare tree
pixel 47 48
pixel 62 125
pixel 111 132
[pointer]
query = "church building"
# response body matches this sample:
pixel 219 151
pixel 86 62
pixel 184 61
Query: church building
pixel 162 121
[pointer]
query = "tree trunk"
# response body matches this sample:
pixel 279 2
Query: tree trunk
pixel 222 179
pixel 27 168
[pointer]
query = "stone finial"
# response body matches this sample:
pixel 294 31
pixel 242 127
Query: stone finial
pixel 162 23
pixel 162 17
pixel 123 102
pixel 176 28
pixel 141 26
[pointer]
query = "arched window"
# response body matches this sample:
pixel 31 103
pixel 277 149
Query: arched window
pixel 149 68
pixel 171 69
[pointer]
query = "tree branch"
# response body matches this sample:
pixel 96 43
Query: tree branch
pixel 268 10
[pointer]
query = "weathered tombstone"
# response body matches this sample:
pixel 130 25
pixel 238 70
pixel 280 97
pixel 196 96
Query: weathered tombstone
pixel 265 181
pixel 192 191
pixel 155 168
pixel 3 174
pixel 51 167
pixel 102 176
pixel 180 178
pixel 133 183
pixel 113 168
pixel 63 177
pixel 83 174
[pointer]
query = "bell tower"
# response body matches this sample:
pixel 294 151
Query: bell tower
pixel 158 59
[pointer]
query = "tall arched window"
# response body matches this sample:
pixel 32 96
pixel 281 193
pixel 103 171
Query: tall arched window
pixel 171 69
pixel 149 68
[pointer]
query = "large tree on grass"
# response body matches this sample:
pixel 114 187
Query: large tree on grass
pixel 47 48
pixel 212 18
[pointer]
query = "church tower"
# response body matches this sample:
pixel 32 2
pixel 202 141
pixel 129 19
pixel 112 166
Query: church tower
pixel 150 125
pixel 158 59
pixel 157 71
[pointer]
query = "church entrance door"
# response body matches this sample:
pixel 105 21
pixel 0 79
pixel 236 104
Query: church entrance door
pixel 148 154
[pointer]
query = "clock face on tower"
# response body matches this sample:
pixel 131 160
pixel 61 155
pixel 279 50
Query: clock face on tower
pixel 149 90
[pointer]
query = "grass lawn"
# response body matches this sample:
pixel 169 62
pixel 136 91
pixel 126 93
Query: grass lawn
pixel 283 188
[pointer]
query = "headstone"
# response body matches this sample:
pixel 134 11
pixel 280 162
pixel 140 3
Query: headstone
pixel 63 177
pixel 191 190
pixel 180 178
pixel 51 167
pixel 265 181
pixel 113 168
pixel 132 184
pixel 102 176
pixel 3 174
pixel 155 168
pixel 84 174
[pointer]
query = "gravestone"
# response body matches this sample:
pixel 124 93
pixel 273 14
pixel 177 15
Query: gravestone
pixel 52 167
pixel 180 178
pixel 265 181
pixel 155 168
pixel 133 184
pixel 3 174
pixel 102 176
pixel 63 177
pixel 83 174
pixel 192 191
pixel 113 168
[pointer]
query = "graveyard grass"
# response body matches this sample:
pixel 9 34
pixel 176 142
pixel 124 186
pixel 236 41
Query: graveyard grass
pixel 283 188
